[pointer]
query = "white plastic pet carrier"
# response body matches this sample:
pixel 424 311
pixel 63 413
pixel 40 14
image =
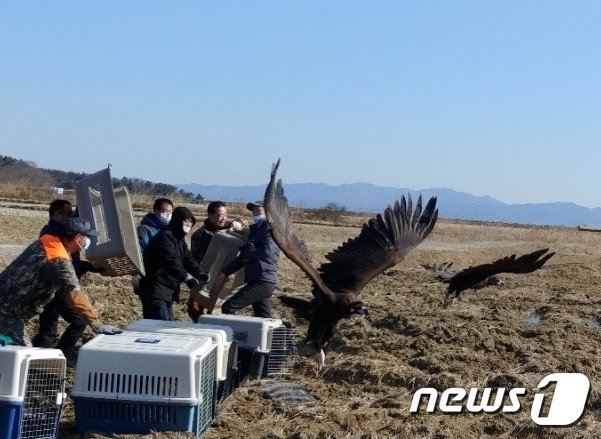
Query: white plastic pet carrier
pixel 221 336
pixel 265 346
pixel 136 382
pixel 110 212
pixel 32 386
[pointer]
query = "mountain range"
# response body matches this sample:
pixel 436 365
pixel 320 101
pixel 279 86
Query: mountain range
pixel 365 197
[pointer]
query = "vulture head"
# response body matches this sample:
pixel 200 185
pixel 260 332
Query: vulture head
pixel 383 242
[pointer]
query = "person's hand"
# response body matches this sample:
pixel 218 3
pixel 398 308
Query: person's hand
pixel 5 340
pixel 236 225
pixel 107 329
pixel 222 278
pixel 192 282
pixel 194 310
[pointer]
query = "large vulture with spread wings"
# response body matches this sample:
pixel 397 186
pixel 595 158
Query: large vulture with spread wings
pixel 483 275
pixel 383 242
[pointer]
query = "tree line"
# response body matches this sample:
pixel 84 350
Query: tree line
pixel 18 171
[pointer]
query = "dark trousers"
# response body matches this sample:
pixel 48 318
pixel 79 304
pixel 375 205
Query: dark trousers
pixel 47 333
pixel 256 294
pixel 157 309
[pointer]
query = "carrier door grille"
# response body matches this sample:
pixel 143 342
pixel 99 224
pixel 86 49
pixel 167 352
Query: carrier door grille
pixel 207 390
pixel 43 398
pixel 283 347
pixel 132 384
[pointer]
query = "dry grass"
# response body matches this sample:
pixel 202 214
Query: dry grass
pixel 409 341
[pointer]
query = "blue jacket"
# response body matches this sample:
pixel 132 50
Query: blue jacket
pixel 258 255
pixel 149 227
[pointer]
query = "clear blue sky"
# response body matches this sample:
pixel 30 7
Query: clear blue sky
pixel 498 98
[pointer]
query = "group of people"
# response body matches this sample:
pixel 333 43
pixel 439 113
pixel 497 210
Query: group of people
pixel 44 279
pixel 169 262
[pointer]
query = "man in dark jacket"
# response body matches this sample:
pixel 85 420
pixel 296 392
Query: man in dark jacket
pixel 259 257
pixel 155 221
pixel 216 220
pixel 169 262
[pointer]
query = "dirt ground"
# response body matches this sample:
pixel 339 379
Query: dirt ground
pixel 490 338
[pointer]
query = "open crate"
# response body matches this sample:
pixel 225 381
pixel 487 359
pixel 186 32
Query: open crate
pixel 32 386
pixel 110 212
pixel 265 346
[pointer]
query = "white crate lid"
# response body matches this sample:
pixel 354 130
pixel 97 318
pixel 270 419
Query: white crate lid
pixel 251 332
pixel 144 343
pixel 12 359
pixel 221 336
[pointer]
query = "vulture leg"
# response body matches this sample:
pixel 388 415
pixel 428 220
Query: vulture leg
pixel 448 300
pixel 321 360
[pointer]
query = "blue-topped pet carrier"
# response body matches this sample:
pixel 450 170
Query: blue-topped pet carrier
pixel 32 386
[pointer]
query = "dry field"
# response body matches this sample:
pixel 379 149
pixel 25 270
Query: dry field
pixel 408 340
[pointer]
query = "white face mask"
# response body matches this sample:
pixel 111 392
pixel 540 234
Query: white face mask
pixel 166 217
pixel 87 244
pixel 257 219
pixel 187 228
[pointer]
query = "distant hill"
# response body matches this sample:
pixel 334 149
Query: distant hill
pixel 19 171
pixel 365 197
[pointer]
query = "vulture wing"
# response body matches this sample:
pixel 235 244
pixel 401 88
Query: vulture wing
pixel 383 242
pixel 277 212
pixel 509 264
pixel 442 272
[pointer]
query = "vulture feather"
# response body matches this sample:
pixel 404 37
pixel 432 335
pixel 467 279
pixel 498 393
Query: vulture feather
pixel 482 275
pixel 443 272
pixel 383 242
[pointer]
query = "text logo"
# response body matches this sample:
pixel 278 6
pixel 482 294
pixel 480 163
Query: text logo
pixel 565 404
pixel 568 400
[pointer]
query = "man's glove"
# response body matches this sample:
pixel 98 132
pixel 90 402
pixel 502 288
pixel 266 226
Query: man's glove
pixel 106 329
pixel 192 282
pixel 204 278
pixel 5 340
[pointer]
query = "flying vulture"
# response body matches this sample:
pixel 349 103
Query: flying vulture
pixel 383 242
pixel 482 275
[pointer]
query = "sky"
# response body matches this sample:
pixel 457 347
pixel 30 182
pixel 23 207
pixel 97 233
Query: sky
pixel 498 98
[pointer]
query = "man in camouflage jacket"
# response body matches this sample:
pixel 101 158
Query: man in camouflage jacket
pixel 44 270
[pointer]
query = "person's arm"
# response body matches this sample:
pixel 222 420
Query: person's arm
pixel 192 266
pixel 200 242
pixel 170 259
pixel 143 237
pixel 234 265
pixel 61 274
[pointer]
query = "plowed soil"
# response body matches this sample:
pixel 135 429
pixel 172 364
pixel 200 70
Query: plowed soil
pixel 509 336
